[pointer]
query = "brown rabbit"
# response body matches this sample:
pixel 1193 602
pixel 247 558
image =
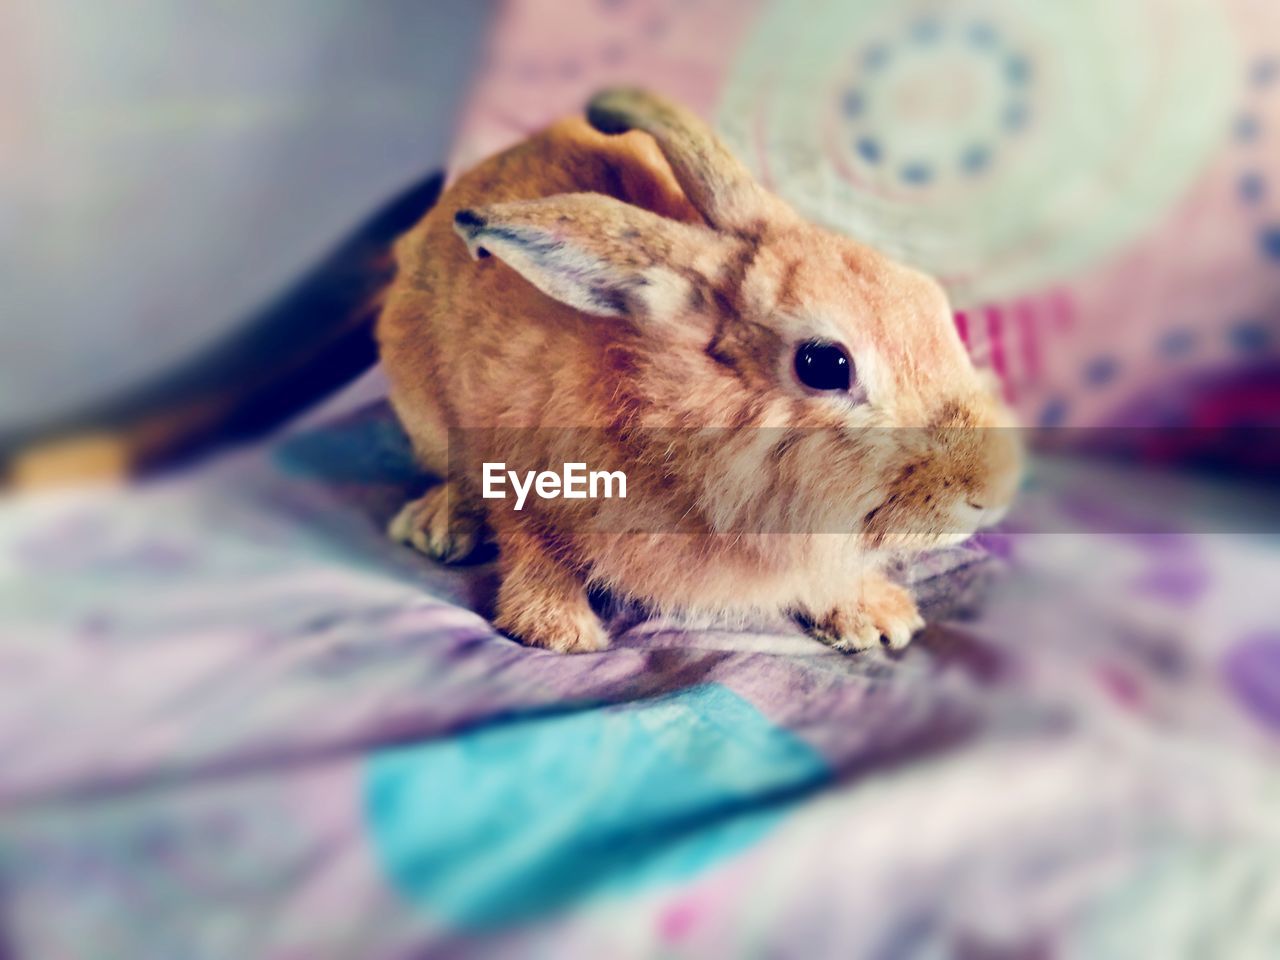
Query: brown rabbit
pixel 642 288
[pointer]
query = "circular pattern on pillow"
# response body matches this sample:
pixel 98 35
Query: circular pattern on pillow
pixel 1001 146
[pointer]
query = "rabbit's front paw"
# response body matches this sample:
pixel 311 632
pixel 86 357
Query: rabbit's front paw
pixel 560 629
pixel 541 603
pixel 844 628
pixel 885 615
pixel 441 524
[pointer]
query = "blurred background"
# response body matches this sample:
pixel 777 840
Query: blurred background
pixel 235 721
pixel 167 169
pixel 1094 184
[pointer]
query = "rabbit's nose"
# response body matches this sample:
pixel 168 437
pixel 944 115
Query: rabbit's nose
pixel 975 515
pixel 1004 468
pixel 967 517
pixel 988 490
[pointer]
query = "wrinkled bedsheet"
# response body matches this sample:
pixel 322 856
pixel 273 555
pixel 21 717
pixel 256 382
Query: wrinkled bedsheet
pixel 236 721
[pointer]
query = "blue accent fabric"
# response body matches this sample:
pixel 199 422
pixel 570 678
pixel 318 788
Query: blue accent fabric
pixel 510 821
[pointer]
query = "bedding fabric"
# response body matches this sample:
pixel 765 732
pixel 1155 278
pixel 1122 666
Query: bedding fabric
pixel 238 721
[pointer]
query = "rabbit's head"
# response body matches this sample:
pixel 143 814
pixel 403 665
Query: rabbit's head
pixel 848 399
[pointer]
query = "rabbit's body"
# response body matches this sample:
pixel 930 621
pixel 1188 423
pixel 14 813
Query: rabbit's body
pixel 452 331
pixel 641 290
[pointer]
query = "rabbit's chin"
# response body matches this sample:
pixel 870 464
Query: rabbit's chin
pixel 914 543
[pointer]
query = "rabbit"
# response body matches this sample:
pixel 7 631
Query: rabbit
pixel 794 410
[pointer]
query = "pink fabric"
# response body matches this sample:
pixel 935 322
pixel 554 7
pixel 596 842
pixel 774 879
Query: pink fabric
pixel 1195 291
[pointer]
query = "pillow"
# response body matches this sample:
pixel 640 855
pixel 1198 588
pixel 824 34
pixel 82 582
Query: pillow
pixel 1096 183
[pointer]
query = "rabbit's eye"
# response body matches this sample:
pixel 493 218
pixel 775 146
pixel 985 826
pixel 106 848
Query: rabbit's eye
pixel 823 366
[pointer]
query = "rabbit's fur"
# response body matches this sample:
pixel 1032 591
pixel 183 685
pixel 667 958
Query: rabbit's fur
pixel 627 275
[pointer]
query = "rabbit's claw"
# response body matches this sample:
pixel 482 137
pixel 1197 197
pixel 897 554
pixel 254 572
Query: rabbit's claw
pixel 439 524
pixel 884 615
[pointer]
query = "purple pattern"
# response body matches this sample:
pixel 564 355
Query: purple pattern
pixel 200 669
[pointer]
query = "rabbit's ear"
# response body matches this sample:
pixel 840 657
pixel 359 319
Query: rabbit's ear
pixel 716 182
pixel 592 252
